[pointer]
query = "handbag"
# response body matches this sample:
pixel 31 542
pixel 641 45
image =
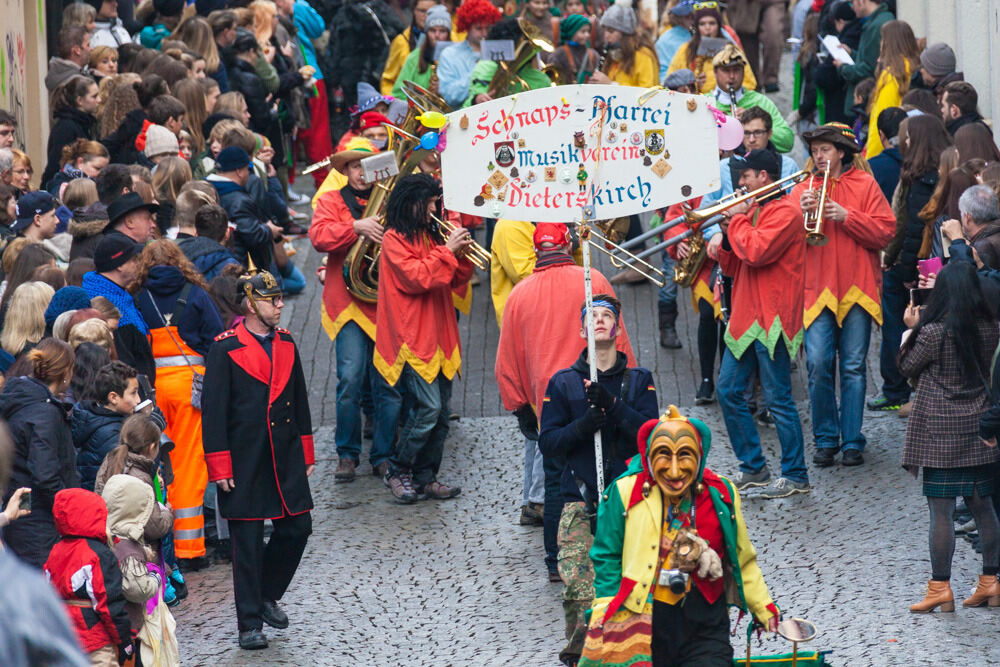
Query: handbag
pixel 197 379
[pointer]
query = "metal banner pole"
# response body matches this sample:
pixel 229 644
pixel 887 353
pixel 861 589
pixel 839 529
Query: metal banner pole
pixel 591 347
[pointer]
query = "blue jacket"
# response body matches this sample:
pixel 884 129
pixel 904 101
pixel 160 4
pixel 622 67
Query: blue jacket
pixel 200 322
pixel 886 167
pixel 95 434
pixel 565 404
pixel 210 257
pixel 310 26
pixel 251 236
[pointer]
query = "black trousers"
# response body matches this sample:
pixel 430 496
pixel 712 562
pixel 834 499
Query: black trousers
pixel 692 633
pixel 264 572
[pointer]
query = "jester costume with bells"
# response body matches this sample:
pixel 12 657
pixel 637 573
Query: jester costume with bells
pixel 670 553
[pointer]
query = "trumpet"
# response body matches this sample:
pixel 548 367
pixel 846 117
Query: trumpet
pixel 813 220
pixel 477 254
pixel 631 261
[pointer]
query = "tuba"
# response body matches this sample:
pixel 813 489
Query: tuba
pixel 361 263
pixel 532 41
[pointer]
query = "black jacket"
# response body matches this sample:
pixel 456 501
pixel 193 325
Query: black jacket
pixel 121 142
pixel 955 124
pixel 905 245
pixel 70 125
pixel 359 45
pixel 252 237
pixel 44 459
pixel 95 433
pixel 256 425
pixel 563 433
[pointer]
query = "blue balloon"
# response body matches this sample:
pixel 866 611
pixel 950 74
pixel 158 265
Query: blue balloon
pixel 429 141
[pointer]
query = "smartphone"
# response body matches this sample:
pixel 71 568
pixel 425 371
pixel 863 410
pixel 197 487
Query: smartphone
pixel 919 296
pixel 929 266
pixel 25 503
pixel 146 391
pixel 142 406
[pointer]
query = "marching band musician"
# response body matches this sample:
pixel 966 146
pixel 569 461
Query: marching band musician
pixel 371 126
pixel 633 61
pixel 350 322
pixel 482 75
pixel 764 251
pixel 417 347
pixel 457 61
pixel 843 283
pixel 420 66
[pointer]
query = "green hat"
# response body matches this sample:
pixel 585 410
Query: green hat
pixel 570 25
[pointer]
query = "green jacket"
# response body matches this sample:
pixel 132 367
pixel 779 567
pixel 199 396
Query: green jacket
pixel 782 135
pixel 484 70
pixel 866 57
pixel 411 72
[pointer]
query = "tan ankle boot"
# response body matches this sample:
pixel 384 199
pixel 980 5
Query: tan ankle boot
pixel 987 591
pixel 938 594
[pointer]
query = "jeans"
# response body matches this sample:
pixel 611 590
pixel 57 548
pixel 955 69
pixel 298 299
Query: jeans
pixel 895 297
pixel 776 380
pixel 553 467
pixel 293 281
pixel 534 474
pixel 667 293
pixel 354 350
pixel 826 345
pixel 421 439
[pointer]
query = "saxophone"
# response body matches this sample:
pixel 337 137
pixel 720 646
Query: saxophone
pixel 686 270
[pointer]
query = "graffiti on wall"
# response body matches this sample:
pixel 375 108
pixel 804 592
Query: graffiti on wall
pixel 12 81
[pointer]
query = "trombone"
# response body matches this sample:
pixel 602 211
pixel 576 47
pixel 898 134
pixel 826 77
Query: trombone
pixel 708 216
pixel 477 254
pixel 813 220
pixel 612 250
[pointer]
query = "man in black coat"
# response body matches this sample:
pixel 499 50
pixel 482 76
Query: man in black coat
pixel 257 435
pixel 243 78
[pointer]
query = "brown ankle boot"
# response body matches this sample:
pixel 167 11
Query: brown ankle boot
pixel 938 594
pixel 987 592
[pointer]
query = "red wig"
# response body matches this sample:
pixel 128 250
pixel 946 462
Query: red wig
pixel 477 12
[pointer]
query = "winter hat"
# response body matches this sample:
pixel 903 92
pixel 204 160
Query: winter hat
pixel 66 298
pixel 938 59
pixel 368 97
pixel 437 17
pixel 372 119
pixel 681 77
pixel 245 41
pixel 844 11
pixel 231 158
pixel 570 25
pixel 621 17
pixel 113 251
pixel 160 140
pixel 168 7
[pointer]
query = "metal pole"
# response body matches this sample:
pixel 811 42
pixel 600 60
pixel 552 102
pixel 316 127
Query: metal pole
pixel 588 291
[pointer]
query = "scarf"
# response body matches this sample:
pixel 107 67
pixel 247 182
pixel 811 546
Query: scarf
pixel 97 285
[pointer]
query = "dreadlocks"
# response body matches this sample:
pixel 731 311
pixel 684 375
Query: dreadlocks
pixel 406 211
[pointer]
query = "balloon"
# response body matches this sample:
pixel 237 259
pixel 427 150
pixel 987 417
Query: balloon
pixel 730 134
pixel 432 119
pixel 442 139
pixel 429 141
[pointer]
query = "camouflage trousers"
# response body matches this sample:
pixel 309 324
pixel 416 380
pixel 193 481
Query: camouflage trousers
pixel 577 573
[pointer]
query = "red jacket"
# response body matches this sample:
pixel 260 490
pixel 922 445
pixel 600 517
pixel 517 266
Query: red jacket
pixel 332 232
pixel 416 319
pixel 846 271
pixel 84 571
pixel 765 255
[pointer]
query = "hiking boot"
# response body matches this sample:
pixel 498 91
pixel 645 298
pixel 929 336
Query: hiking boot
pixel 784 487
pixel 748 480
pixel 401 486
pixel 273 615
pixel 554 577
pixel 223 552
pixel 531 516
pixel 668 326
pixel 706 393
pixel 824 456
pixel 852 457
pixel 381 470
pixel 252 640
pixel 345 470
pixel 764 417
pixel 883 404
pixel 438 491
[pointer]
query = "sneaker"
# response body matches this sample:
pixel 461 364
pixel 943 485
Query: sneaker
pixel 967 527
pixel 748 480
pixel 824 456
pixel 784 487
pixel 706 393
pixel 530 516
pixel 852 457
pixel 401 486
pixel 764 417
pixel 438 491
pixel 345 470
pixel 883 404
pixel 295 198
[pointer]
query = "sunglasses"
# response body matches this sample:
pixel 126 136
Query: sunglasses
pixel 711 4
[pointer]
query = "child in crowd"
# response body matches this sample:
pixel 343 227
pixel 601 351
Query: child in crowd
pixel 862 96
pixel 84 572
pixel 130 504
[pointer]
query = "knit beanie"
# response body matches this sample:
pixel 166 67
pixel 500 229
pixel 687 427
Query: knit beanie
pixel 437 17
pixel 160 140
pixel 66 298
pixel 168 7
pixel 570 25
pixel 938 59
pixel 621 17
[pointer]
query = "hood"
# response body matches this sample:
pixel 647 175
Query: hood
pixel 581 366
pixel 20 392
pixel 224 186
pixel 80 513
pixel 199 246
pixel 130 504
pixel 60 70
pixel 88 416
pixel 164 280
pixel 642 441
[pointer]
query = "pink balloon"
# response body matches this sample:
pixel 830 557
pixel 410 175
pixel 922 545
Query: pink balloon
pixel 730 134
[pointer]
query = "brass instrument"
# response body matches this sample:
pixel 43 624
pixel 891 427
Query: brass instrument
pixel 362 260
pixel 527 48
pixel 433 82
pixel 614 229
pixel 813 220
pixel 477 254
pixel 631 261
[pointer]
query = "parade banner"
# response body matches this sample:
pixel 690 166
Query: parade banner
pixel 553 154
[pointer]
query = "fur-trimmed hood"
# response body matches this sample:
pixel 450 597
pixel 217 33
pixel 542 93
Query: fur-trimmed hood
pixel 88 221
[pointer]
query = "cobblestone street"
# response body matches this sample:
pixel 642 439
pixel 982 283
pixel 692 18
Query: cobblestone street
pixel 460 583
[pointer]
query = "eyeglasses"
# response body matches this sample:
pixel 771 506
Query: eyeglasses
pixel 753 134
pixel 711 4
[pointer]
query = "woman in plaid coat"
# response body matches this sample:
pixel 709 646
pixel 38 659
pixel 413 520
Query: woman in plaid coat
pixel 948 352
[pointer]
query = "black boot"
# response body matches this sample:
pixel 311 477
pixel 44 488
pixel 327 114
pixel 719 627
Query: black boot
pixel 668 330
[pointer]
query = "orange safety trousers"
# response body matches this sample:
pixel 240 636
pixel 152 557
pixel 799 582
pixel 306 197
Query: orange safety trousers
pixel 186 494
